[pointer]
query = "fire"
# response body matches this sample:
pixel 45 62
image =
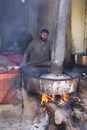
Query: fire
pixel 46 98
pixel 64 97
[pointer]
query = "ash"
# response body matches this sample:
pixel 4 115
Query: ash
pixel 40 126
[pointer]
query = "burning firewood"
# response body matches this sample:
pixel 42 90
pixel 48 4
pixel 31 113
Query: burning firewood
pixel 58 116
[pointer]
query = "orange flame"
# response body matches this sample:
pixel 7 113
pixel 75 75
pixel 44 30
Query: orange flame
pixel 46 98
pixel 65 96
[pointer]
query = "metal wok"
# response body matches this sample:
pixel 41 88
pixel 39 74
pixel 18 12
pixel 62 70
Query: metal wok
pixel 35 82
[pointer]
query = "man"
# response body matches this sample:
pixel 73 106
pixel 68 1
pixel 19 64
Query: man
pixel 39 50
pixel 23 39
pixel 19 40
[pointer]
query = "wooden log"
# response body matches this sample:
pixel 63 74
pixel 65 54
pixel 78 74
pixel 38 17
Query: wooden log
pixel 58 116
pixel 71 126
pixel 80 115
pixel 56 113
pixel 52 127
pixel 82 104
pixel 61 117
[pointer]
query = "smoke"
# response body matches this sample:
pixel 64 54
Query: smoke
pixel 36 70
pixel 12 15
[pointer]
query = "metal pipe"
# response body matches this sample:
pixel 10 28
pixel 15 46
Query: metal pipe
pixel 58 50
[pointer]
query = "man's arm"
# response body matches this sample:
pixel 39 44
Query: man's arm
pixel 24 57
pixel 26 53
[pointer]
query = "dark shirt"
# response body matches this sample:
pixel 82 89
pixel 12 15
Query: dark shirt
pixel 39 51
pixel 23 41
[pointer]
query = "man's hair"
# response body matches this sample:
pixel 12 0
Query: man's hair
pixel 44 30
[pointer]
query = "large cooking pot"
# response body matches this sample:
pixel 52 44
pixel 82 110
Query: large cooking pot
pixel 37 79
pixel 41 85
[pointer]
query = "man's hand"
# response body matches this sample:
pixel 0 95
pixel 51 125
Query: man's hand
pixel 22 64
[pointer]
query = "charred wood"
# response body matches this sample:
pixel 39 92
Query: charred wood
pixel 52 127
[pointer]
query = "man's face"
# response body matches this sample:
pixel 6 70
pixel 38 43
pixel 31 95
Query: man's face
pixel 44 36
